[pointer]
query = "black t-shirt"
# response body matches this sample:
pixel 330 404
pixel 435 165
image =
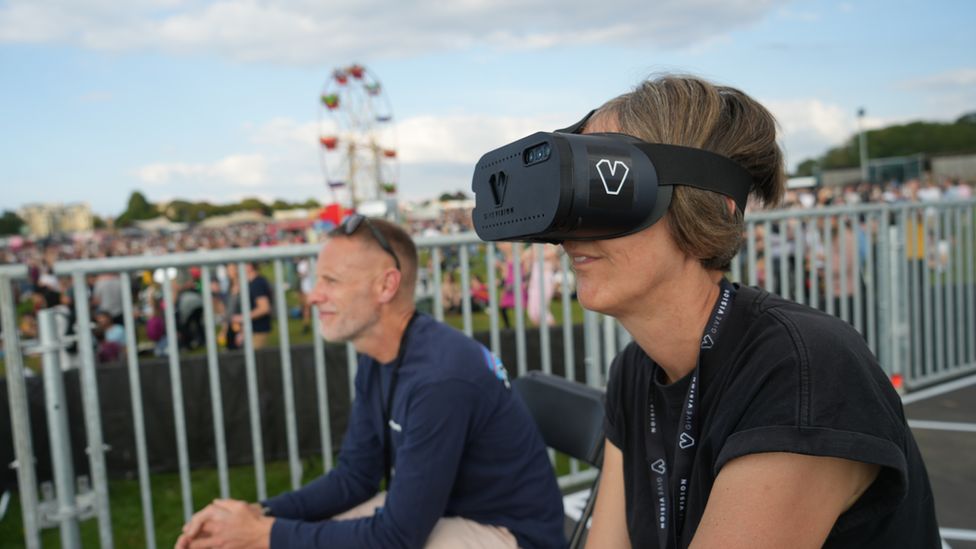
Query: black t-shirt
pixel 259 287
pixel 781 378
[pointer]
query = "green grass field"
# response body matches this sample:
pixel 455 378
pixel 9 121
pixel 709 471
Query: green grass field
pixel 126 504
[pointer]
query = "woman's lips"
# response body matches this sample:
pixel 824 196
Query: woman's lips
pixel 580 259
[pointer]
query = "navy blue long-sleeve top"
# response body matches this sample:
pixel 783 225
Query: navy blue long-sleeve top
pixel 463 445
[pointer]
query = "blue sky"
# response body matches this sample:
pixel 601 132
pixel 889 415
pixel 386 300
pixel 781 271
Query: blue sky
pixel 219 100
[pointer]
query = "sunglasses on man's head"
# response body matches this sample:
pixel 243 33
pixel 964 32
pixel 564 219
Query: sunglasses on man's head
pixel 351 224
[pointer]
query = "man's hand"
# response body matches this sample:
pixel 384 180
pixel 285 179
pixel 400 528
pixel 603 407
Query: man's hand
pixel 227 524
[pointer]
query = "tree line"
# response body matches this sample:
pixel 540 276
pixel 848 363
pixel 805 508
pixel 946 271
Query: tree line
pixel 138 208
pixel 929 138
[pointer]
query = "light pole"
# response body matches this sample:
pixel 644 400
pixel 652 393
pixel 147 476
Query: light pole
pixel 863 138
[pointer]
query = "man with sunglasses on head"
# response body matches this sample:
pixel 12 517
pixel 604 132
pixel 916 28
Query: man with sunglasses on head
pixel 433 416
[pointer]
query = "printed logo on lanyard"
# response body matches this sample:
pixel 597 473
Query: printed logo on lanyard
pixel 675 487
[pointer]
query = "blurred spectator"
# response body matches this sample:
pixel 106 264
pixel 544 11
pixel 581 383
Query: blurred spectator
pixel 479 293
pixel 189 312
pixel 109 337
pixel 232 335
pixel 450 293
pixel 107 295
pixel 260 303
pixel 156 328
pixel 541 282
pixel 306 281
pixel 508 266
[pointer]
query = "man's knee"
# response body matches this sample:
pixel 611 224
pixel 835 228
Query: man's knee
pixel 454 532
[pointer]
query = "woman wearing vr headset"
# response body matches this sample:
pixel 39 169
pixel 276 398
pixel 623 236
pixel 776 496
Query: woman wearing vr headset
pixel 735 419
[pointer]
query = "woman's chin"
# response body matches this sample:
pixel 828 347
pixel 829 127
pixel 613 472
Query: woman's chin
pixel 592 299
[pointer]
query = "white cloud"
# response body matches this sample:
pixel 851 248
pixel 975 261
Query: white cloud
pixel 453 138
pixel 810 127
pixel 285 132
pixel 954 79
pixel 236 170
pixel 945 95
pixel 804 16
pixel 96 97
pixel 464 138
pixel 438 153
pixel 307 31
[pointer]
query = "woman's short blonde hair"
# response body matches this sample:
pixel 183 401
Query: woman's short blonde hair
pixel 692 112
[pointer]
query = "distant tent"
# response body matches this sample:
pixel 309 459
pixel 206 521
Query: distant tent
pixel 235 218
pixel 159 224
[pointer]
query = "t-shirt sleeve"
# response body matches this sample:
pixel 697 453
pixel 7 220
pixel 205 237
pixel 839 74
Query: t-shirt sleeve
pixel 262 288
pixel 832 405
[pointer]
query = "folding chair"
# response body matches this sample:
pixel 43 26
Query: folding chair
pixel 570 418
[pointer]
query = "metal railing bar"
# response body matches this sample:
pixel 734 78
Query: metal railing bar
pixel 138 417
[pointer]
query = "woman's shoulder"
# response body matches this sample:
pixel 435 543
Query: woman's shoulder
pixel 790 353
pixel 771 323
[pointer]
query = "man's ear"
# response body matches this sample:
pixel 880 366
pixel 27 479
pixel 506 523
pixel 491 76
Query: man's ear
pixel 390 282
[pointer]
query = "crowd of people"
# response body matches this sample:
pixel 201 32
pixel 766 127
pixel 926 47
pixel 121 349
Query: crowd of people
pixel 540 281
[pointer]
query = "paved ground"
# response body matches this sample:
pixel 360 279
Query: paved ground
pixel 944 422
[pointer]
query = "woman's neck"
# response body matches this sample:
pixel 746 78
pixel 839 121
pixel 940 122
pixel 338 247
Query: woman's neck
pixel 672 319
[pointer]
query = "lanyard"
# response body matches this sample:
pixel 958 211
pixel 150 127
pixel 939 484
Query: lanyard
pixel 387 410
pixel 672 487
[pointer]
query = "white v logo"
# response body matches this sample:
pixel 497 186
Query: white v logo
pixel 612 188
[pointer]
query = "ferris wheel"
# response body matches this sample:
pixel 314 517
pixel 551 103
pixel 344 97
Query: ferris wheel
pixel 357 137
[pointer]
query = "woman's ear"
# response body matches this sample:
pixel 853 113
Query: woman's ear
pixel 731 205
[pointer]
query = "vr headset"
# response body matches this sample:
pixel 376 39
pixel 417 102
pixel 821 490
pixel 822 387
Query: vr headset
pixel 550 187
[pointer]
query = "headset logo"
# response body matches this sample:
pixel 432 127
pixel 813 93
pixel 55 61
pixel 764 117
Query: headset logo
pixel 686 441
pixel 707 342
pixel 498 183
pixel 658 467
pixel 609 172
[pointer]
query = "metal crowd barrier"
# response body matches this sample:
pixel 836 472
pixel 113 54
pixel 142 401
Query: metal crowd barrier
pixel 902 275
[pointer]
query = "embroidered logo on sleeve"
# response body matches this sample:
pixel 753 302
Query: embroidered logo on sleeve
pixel 495 365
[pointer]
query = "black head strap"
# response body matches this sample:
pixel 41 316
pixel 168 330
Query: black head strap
pixel 701 169
pixel 577 127
pixel 698 168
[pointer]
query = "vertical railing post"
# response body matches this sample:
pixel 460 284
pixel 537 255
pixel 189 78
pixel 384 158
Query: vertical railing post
pixel 541 268
pixel 492 266
pixel 287 383
pixel 138 420
pixel 19 417
pixel 93 419
pixel 57 430
pixel 213 375
pixel 176 390
pixel 591 346
pixel 465 289
pixel 520 351
pixel 253 397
